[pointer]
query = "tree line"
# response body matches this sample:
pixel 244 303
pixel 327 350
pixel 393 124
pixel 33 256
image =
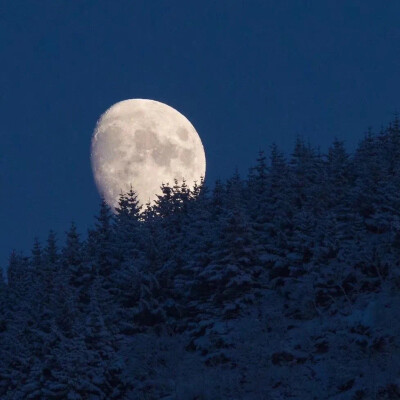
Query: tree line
pixel 327 223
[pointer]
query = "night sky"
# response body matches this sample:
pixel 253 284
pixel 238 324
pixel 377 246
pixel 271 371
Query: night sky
pixel 245 73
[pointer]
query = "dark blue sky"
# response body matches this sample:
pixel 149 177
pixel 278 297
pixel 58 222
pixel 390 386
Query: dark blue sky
pixel 245 73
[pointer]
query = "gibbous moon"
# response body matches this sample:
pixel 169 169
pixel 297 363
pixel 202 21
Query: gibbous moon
pixel 143 144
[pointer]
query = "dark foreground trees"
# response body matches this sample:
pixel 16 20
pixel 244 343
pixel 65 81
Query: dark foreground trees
pixel 318 230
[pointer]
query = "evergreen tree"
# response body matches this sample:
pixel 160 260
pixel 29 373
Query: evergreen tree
pixel 51 252
pixel 366 193
pixel 105 251
pixel 77 268
pixel 18 274
pixel 258 178
pixel 305 165
pixel 49 268
pixel 72 255
pixel 36 259
pixel 128 225
pixel 279 216
pixel 164 204
pixel 218 199
pixel 339 174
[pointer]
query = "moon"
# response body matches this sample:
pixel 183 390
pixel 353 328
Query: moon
pixel 144 143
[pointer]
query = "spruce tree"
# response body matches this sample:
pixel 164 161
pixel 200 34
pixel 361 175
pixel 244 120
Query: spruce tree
pixel 105 250
pixel 36 258
pixel 128 225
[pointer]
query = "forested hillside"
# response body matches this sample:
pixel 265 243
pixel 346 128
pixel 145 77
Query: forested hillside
pixel 284 284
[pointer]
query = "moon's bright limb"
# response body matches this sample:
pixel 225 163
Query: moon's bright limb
pixel 144 143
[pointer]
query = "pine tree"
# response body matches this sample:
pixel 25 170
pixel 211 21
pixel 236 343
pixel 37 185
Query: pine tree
pixel 305 165
pixel 131 242
pixel 105 251
pixel 48 280
pixel 72 257
pixel 18 274
pixel 128 225
pixel 51 252
pixel 49 268
pixel 259 202
pixel 339 174
pixel 36 259
pixel 78 268
pixel 258 177
pixel 366 194
pixel 164 204
pixel 218 199
pixel 279 216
